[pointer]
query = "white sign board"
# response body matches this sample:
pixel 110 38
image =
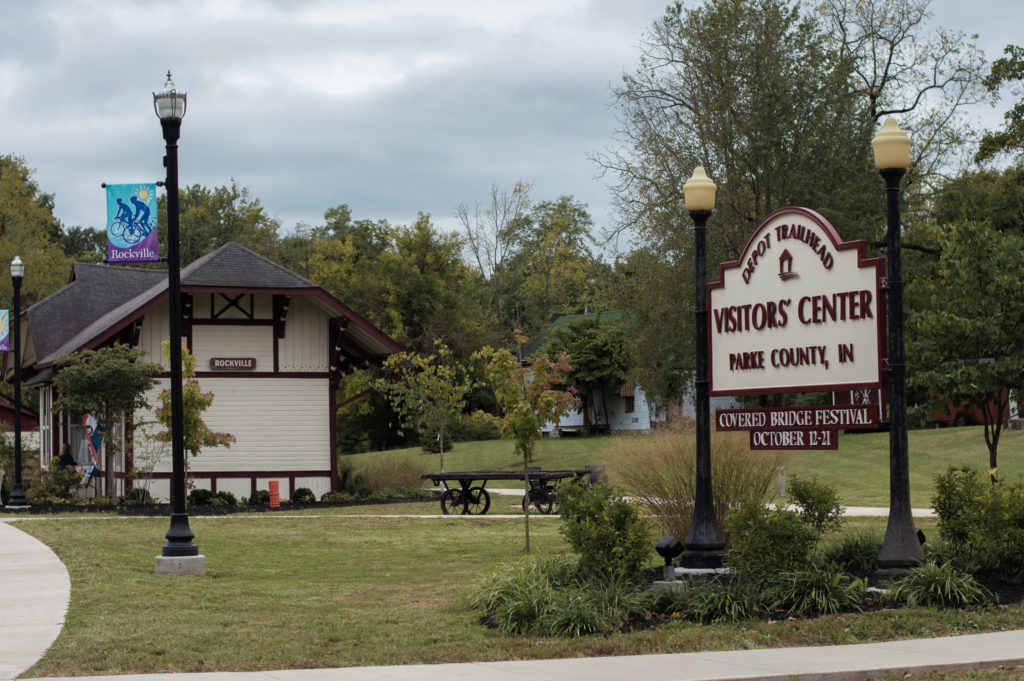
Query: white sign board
pixel 801 310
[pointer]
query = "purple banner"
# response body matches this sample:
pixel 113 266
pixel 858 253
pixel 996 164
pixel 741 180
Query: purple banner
pixel 131 223
pixel 5 330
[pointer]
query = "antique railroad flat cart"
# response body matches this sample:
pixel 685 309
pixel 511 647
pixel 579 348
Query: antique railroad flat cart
pixel 464 491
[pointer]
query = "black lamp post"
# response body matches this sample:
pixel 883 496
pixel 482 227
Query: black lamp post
pixel 704 543
pixel 170 108
pixel 901 548
pixel 17 499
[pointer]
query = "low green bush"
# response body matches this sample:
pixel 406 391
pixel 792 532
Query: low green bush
pixel 260 496
pixel 819 589
pixel 608 531
pixel 816 503
pixel 335 497
pixel 726 601
pixel 52 485
pixel 982 519
pixel 303 495
pixel 205 497
pixel 767 541
pixel 855 552
pixel 938 585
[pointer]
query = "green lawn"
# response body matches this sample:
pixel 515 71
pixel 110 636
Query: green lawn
pixel 324 590
pixel 859 469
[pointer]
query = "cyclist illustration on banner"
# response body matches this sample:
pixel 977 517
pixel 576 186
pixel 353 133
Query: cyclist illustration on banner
pixel 131 232
pixel 5 330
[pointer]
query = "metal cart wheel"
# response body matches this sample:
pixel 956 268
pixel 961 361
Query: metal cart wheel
pixel 477 501
pixel 451 502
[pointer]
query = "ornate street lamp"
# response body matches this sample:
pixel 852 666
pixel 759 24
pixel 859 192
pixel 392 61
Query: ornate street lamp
pixel 704 543
pixel 17 499
pixel 180 555
pixel 901 548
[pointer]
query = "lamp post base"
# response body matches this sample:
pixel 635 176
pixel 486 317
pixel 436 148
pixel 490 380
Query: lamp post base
pixel 194 566
pixel 702 559
pixel 17 498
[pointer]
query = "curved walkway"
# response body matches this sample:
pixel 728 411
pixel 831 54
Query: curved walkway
pixel 34 593
pixel 35 590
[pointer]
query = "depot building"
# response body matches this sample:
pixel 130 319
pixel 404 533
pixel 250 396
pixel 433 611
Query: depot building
pixel 270 345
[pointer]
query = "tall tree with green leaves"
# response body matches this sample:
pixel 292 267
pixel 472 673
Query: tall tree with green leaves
pixel 965 331
pixel 598 345
pixel 749 90
pixel 29 229
pixel 212 217
pixel 428 392
pixel 109 383
pixel 530 396
pixel 1005 70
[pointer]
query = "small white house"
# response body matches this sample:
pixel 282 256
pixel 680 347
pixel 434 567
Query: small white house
pixel 270 345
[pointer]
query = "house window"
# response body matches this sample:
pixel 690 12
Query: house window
pixel 630 404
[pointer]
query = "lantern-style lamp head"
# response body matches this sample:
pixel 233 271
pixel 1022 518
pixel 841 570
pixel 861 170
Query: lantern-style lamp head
pixel 169 103
pixel 892 146
pixel 17 268
pixel 699 191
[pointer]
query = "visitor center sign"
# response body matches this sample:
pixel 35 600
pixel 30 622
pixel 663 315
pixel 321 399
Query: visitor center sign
pixel 800 311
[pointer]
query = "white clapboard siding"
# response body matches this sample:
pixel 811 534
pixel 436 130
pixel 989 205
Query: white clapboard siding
pixel 156 328
pixel 233 341
pixel 304 346
pixel 281 424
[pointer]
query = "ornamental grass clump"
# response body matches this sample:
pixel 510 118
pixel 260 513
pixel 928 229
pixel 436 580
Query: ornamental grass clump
pixel 659 470
pixel 938 585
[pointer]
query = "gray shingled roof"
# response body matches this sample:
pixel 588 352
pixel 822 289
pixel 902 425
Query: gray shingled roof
pixel 92 292
pixel 101 298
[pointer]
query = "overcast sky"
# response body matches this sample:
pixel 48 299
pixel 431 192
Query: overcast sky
pixel 390 106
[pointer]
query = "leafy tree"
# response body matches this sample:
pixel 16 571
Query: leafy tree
pixel 984 195
pixel 86 244
pixel 1010 139
pixel 600 358
pixel 966 330
pixel 530 397
pixel 194 402
pixel 427 392
pixel 110 383
pixel 749 90
pixel 29 229
pixel 555 269
pixel 926 78
pixel 494 234
pixel 209 218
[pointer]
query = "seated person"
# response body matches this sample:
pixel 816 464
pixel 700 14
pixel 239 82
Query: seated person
pixel 66 460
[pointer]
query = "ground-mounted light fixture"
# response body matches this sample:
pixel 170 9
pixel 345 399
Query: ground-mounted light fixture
pixel 180 555
pixel 704 543
pixel 668 547
pixel 901 548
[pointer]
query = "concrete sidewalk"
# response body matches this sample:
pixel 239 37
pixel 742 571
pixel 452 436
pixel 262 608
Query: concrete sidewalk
pixel 34 593
pixel 35 590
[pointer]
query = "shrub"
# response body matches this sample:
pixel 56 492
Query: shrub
pixel 260 496
pixel 817 504
pixel 855 552
pixel 608 531
pixel 224 498
pixel 938 585
pixel 723 602
pixel 550 596
pixel 303 495
pixel 52 485
pixel 767 541
pixel 199 497
pixel 660 470
pixel 982 520
pixel 381 471
pixel 335 497
pixel 819 589
pixel 139 495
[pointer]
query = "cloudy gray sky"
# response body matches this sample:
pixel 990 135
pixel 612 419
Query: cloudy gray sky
pixel 390 106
